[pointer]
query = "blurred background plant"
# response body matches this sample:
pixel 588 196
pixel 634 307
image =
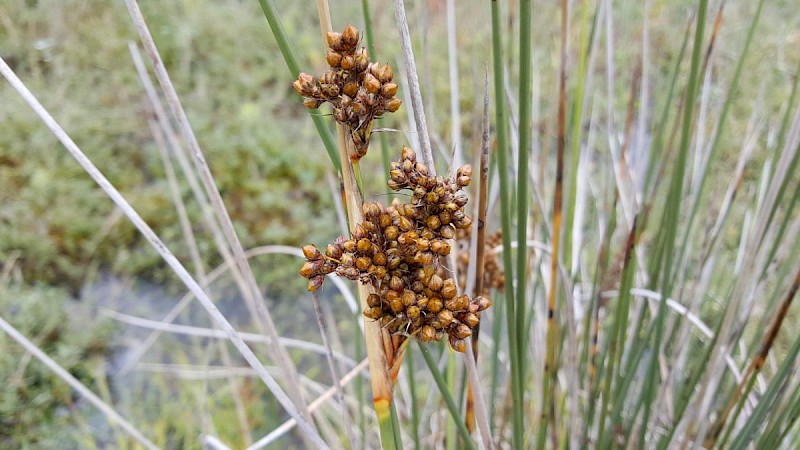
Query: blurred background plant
pixel 71 263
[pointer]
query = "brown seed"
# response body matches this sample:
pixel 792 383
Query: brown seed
pixel 423 244
pixel 333 251
pixel 396 283
pixel 334 39
pixel 405 223
pixel 422 301
pixel 448 289
pixel 483 302
pixel 388 90
pixel 310 251
pixel 471 319
pixel 464 223
pixel 427 334
pixel 315 282
pixel 440 248
pixel 432 198
pixel 435 283
pixel 350 37
pixel 380 273
pixel 448 232
pixel 333 57
pixel 373 300
pixel 392 296
pixel 311 103
pixel 409 154
pixel 359 232
pixel 458 345
pixel 349 245
pixel 308 269
pixel 424 258
pixel 462 331
pixel 362 59
pixel 396 305
pixel 385 73
pixel 445 316
pixel 409 297
pixel 304 84
pixel 364 245
pixel 350 89
pixel 393 104
pixel 391 232
pixel 435 305
pixel 371 83
pixel 362 263
pixel 459 303
pixel 413 311
pixel 379 259
pixel 373 312
pixel 347 259
pixel 445 217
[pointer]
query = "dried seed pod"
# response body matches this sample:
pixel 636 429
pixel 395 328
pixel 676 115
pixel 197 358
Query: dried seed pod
pixel 413 311
pixel 470 319
pixel 304 84
pixel 350 37
pixel 427 334
pixel 371 83
pixel 435 283
pixel 362 263
pixel 483 303
pixel 349 246
pixel 462 331
pixel 448 289
pixel 393 104
pixel 396 305
pixel 441 248
pixel 388 90
pixel 448 232
pixel 363 245
pixel 373 300
pixel 375 312
pixel 334 39
pixel 459 303
pixel 445 316
pixel 315 282
pixel 362 59
pixel 385 73
pixel 311 103
pixel 456 344
pixel 396 283
pixel 333 58
pixel 409 297
pixel 350 89
pixel 310 251
pixel 379 259
pixel 435 305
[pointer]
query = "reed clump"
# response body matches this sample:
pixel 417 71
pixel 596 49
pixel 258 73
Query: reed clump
pixel 398 250
pixel 358 89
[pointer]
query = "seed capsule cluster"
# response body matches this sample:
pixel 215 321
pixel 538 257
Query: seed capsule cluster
pixel 493 275
pixel 397 251
pixel 359 90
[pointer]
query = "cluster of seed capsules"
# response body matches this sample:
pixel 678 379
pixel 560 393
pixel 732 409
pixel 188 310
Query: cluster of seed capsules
pixel 398 250
pixel 359 90
pixel 493 275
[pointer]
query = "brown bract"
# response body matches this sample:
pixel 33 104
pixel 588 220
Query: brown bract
pixel 397 250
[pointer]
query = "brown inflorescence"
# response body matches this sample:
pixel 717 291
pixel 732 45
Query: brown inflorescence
pixel 359 90
pixel 398 250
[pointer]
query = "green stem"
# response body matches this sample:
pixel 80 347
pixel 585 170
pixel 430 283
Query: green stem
pixel 461 427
